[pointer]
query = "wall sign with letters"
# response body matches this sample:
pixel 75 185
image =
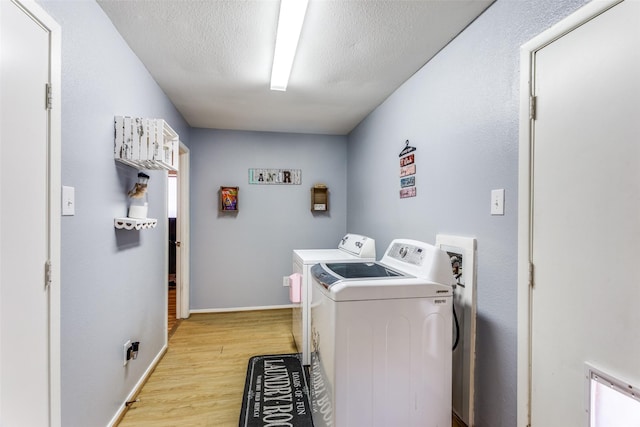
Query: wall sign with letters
pixel 275 176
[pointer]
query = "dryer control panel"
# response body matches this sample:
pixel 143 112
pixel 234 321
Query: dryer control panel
pixel 361 246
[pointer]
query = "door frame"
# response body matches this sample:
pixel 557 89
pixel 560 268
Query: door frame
pixel 44 20
pixel 525 193
pixel 182 236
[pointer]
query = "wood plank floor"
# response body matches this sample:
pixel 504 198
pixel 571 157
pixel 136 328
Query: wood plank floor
pixel 172 321
pixel 200 380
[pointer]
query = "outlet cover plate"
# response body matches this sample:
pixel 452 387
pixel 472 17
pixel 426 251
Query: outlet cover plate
pixel 125 348
pixel 68 200
pixel 497 202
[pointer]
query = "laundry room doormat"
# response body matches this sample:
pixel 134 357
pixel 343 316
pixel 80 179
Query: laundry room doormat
pixel 275 393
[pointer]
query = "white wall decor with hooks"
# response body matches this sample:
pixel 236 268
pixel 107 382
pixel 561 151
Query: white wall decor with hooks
pixel 146 143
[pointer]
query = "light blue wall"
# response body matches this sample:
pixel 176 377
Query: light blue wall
pixel 238 260
pixel 113 282
pixel 461 112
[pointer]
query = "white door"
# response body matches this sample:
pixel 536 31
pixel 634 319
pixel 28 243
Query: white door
pixel 27 227
pixel 585 213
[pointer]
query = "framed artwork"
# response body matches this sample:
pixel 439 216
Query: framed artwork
pixel 228 199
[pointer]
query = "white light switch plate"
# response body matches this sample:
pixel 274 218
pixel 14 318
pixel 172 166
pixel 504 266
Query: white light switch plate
pixel 497 202
pixel 68 200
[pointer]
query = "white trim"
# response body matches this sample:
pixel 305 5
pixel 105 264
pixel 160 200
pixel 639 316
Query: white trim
pixel 467 247
pixel 183 255
pixel 136 389
pixel 166 259
pixel 231 309
pixel 527 65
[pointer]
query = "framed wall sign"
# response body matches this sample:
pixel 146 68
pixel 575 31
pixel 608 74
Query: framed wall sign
pixel 228 199
pixel 275 176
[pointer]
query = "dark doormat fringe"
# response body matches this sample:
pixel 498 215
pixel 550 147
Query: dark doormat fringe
pixel 275 393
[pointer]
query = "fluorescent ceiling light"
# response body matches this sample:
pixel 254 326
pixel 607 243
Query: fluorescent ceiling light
pixel 289 25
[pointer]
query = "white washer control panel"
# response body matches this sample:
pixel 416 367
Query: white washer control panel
pixel 406 253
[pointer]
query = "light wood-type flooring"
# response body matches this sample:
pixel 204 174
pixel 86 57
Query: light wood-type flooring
pixel 200 380
pixel 172 321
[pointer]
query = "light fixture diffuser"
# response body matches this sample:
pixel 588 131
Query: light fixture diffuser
pixel 292 14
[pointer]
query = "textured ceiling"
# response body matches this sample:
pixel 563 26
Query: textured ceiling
pixel 213 58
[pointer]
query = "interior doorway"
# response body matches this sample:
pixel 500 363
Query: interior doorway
pixel 178 243
pixel 172 209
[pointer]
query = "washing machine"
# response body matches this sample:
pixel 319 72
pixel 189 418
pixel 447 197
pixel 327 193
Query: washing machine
pixel 381 339
pixel 351 248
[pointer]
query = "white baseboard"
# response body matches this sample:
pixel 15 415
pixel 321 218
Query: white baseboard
pixel 225 310
pixel 118 416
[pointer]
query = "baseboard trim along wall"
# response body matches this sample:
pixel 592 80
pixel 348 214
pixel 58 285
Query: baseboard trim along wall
pixel 138 387
pixel 226 310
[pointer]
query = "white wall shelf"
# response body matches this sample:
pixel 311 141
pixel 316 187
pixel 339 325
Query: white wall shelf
pixel 146 143
pixel 135 223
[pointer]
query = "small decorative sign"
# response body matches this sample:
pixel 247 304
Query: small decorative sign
pixel 407 171
pixel 408 192
pixel 408 160
pixel 275 176
pixel 409 181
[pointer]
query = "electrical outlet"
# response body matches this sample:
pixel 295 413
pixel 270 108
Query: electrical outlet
pixel 135 346
pixel 285 281
pixel 126 348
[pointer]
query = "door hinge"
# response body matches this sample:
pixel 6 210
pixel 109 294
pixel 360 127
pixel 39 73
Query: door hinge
pixel 48 275
pixel 532 107
pixel 531 282
pixel 48 97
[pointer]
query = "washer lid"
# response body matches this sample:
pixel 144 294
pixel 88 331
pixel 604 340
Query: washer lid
pixel 359 270
pixel 330 273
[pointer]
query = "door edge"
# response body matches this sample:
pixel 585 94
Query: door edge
pixel 183 257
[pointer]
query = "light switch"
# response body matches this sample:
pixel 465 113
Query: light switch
pixel 68 200
pixel 497 202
